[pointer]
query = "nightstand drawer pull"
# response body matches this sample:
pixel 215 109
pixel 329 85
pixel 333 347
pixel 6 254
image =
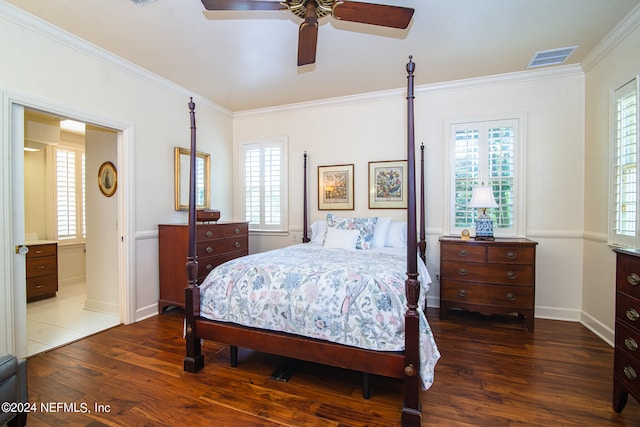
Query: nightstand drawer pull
pixel 209 233
pixel 633 279
pixel 462 272
pixel 39 286
pixel 631 344
pixel 633 315
pixel 511 275
pixel 511 296
pixel 462 252
pixel 209 249
pixel 511 255
pixel 236 244
pixel 237 231
pixel 630 372
pixel 462 293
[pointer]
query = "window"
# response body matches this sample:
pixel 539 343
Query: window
pixel 69 194
pixel 485 152
pixel 624 223
pixel 264 180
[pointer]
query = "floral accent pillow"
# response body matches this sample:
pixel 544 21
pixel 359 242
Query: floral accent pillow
pixel 365 225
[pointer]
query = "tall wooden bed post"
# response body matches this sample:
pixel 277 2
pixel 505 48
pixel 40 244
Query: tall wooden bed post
pixel 194 360
pixel 411 406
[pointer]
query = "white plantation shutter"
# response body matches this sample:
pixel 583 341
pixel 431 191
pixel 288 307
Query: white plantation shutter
pixel 263 186
pixel 484 152
pixel 624 166
pixel 69 194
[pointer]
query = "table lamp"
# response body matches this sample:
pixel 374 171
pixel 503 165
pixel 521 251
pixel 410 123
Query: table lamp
pixel 482 198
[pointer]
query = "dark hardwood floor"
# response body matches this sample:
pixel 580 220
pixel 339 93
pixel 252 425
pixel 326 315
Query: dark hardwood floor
pixel 492 373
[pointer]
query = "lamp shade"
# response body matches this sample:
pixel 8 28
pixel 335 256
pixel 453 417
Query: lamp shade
pixel 482 197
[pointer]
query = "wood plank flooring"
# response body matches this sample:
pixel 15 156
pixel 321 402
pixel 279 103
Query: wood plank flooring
pixel 492 373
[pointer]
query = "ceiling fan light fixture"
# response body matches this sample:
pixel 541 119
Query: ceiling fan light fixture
pixel 551 57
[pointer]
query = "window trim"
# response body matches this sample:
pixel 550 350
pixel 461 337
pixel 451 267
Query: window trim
pixel 519 221
pixel 615 239
pixel 283 227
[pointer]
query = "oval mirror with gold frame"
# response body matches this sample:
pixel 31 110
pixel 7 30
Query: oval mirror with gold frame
pixel 181 180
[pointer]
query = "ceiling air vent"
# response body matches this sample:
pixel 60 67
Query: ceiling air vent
pixel 141 2
pixel 551 57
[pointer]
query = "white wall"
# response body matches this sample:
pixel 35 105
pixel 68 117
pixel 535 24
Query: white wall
pixel 54 71
pixel 608 72
pixel 372 127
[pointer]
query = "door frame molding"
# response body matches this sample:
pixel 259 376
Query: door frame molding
pixel 9 341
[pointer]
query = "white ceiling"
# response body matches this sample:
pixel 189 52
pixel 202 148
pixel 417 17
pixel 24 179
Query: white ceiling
pixel 247 60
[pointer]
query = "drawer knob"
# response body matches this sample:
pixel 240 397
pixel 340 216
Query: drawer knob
pixel 511 255
pixel 237 231
pixel 631 344
pixel 632 315
pixel 38 252
pixel 209 249
pixel 39 286
pixel 462 252
pixel 511 296
pixel 511 275
pixel 209 233
pixel 633 279
pixel 462 293
pixel 236 244
pixel 630 372
pixel 40 267
pixel 462 272
pixel 209 267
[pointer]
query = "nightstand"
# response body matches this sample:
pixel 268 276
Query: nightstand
pixel 489 277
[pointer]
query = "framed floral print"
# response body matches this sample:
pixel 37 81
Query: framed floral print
pixel 388 185
pixel 335 187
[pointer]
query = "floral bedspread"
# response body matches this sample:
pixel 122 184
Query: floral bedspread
pixel 355 298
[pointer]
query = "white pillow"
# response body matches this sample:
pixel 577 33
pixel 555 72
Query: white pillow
pixel 318 229
pixel 380 232
pixel 341 239
pixel 397 235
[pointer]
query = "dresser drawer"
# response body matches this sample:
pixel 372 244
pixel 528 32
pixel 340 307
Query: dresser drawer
pixel 213 247
pixel 628 310
pixel 627 370
pixel 42 266
pixel 219 231
pixel 628 275
pixel 40 286
pixel 488 273
pixel 205 265
pixel 627 339
pixel 37 251
pixel 467 253
pixel 495 295
pixel 511 255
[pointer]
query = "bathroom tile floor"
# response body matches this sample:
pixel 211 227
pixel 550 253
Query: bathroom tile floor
pixel 53 322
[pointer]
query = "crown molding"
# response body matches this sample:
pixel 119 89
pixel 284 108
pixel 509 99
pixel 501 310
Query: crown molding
pixel 615 36
pixel 50 31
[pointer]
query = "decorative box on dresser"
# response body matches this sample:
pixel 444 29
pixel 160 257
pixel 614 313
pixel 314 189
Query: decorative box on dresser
pixel 490 277
pixel 626 364
pixel 42 270
pixel 216 244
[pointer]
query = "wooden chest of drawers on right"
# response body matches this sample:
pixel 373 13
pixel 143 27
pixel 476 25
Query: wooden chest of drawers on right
pixel 626 364
pixel 489 277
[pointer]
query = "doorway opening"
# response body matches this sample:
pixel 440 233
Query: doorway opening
pixel 70 229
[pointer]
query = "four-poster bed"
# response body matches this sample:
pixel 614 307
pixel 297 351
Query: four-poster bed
pixel 406 362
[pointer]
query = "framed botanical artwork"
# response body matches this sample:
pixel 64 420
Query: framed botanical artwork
pixel 388 185
pixel 107 179
pixel 335 187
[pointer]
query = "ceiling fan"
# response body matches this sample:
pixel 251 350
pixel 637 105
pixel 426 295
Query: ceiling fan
pixel 312 10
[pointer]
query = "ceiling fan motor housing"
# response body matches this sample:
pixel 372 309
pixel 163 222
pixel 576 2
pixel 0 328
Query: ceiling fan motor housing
pixel 323 7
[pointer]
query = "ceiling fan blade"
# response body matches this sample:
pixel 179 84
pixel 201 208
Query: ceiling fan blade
pixel 242 5
pixel 374 14
pixel 308 36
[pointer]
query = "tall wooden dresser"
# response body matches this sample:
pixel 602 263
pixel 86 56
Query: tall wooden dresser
pixel 626 364
pixel 488 276
pixel 42 270
pixel 216 244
